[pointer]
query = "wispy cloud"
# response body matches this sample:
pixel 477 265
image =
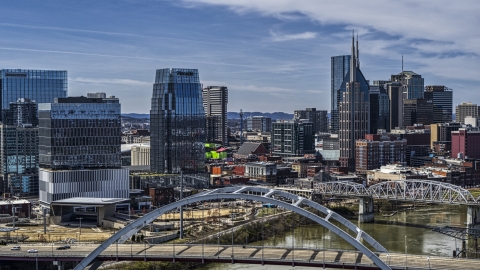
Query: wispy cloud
pixel 110 81
pixel 287 37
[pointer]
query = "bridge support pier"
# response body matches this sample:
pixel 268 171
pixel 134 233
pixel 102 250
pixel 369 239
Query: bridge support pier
pixel 365 210
pixel 60 265
pixel 473 215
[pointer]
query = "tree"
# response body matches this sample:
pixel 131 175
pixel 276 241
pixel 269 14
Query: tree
pixel 133 238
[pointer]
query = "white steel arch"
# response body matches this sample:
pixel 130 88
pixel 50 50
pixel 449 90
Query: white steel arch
pixel 239 193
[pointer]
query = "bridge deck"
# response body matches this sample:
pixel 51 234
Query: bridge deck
pixel 249 254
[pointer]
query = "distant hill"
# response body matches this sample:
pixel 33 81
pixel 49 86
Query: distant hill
pixel 274 115
pixel 137 115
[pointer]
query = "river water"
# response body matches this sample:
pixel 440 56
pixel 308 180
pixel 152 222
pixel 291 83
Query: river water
pixel 405 229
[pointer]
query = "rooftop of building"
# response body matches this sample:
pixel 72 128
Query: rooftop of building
pixel 13 201
pixel 90 201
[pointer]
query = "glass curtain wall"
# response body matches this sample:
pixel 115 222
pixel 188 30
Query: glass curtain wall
pixel 177 122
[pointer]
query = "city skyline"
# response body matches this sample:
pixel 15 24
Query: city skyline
pixel 275 50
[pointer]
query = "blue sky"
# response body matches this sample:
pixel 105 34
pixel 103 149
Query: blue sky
pixel 273 55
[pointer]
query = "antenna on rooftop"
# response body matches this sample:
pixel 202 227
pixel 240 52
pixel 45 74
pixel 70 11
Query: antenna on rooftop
pixel 402 62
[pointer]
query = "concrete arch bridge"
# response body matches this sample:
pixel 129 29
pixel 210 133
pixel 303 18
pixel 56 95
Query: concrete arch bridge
pixel 349 231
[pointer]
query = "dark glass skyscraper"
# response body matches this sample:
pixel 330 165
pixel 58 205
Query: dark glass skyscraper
pixel 177 122
pixel 80 133
pixel 215 100
pixel 19 149
pixel 442 97
pixel 41 86
pixel 340 66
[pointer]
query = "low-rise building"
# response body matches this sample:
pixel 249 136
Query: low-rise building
pixel 263 171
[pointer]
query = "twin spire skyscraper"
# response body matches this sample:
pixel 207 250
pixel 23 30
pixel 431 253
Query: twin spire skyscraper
pixel 354 110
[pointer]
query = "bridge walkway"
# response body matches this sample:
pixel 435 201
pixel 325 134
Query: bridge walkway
pixel 249 254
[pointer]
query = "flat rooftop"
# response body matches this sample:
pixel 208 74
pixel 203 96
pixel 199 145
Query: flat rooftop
pixel 90 201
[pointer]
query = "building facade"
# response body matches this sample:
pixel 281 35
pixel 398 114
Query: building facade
pixel 292 138
pixel 442 98
pixel 412 84
pixel 466 144
pixel 140 155
pixel 318 118
pixel 395 96
pixel 259 123
pixel 354 114
pixel 417 111
pixel 177 122
pixel 215 100
pixel 466 109
pixel 19 149
pixel 79 149
pixel 339 66
pixel 379 109
pixel 41 86
pixel 375 151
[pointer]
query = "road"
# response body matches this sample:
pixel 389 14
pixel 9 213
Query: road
pixel 249 254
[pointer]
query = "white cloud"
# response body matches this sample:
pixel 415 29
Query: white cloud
pixel 284 37
pixel 438 21
pixel 110 81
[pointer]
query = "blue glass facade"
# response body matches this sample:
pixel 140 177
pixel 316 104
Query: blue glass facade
pixel 340 65
pixel 177 122
pixel 41 86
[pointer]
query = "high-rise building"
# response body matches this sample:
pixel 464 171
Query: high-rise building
pixel 318 118
pixel 79 149
pixel 19 149
pixel 417 111
pixel 340 65
pixel 395 97
pixel 354 112
pixel 292 138
pixel 466 109
pixel 41 86
pixel 215 99
pixel 412 84
pixel 259 123
pixel 442 97
pixel 379 109
pixel 177 122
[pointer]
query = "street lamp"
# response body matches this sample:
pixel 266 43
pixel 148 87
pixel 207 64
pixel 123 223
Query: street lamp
pixel 80 218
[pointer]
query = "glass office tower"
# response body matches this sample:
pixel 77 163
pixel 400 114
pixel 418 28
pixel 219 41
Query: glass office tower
pixel 80 132
pixel 42 86
pixel 177 122
pixel 340 65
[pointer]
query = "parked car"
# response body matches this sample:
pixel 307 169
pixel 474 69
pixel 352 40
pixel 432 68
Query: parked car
pixel 32 251
pixel 61 248
pixel 16 248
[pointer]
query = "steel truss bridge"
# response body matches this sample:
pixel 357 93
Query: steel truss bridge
pixel 404 190
pixel 323 216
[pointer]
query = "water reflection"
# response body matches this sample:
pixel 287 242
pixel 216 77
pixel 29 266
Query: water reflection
pixel 388 231
pixel 403 230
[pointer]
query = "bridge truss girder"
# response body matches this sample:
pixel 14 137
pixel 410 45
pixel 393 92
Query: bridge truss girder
pixel 406 190
pixel 240 193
